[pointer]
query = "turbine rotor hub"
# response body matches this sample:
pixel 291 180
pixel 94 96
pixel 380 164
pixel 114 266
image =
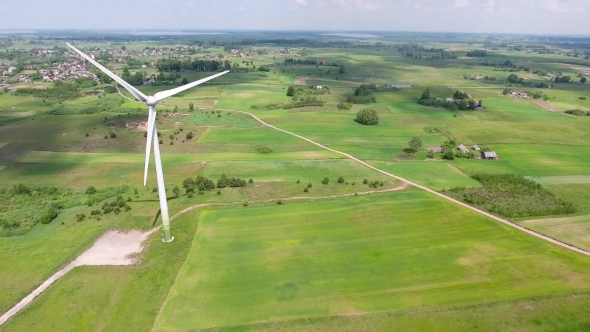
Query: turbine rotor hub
pixel 151 101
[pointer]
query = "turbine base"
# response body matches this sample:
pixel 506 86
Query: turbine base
pixel 164 239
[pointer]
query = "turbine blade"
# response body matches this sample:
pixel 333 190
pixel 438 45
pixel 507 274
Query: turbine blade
pixel 148 146
pixel 168 93
pixel 136 93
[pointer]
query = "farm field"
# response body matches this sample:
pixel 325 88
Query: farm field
pixel 315 240
pixel 292 264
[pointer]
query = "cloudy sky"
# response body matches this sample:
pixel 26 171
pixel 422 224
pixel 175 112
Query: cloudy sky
pixel 499 16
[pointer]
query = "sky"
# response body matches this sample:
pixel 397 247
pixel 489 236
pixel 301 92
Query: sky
pixel 477 16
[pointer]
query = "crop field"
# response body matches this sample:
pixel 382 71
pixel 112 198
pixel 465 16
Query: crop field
pixel 323 259
pixel 317 240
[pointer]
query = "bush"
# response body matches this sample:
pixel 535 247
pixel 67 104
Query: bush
pixel 365 181
pixel 340 180
pixel 582 98
pixel 577 112
pixel 264 149
pixel 48 216
pixel 90 190
pixel 190 135
pixel 309 185
pixel 80 217
pixel 245 203
pixel 344 106
pixel 113 135
pixel 367 117
pixel 325 181
pixel 279 202
pixel 218 192
pixel 250 181
pixel 305 190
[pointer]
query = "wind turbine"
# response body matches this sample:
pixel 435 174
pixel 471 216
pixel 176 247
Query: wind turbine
pixel 152 137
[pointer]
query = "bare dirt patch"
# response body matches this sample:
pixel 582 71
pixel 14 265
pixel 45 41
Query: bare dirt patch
pixel 404 156
pixel 546 106
pixel 113 248
pixel 436 149
pixel 433 108
pixel 585 70
pixel 300 80
pixel 432 74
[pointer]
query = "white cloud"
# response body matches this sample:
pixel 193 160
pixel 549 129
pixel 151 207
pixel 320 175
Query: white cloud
pixel 490 6
pixel 190 4
pixel 555 6
pixel 301 2
pixel 368 5
pixel 461 4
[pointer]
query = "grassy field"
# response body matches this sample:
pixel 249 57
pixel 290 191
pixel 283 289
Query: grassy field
pixel 395 261
pixel 313 260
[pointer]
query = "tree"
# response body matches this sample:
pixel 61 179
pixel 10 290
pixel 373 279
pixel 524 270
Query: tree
pixel 123 48
pixel 325 180
pixel 90 190
pixel 291 91
pixel 340 180
pixel 176 191
pixel 415 143
pixel 126 73
pixel 367 117
pixel 506 91
pixel 191 107
pixel 184 81
pixel 426 94
pixel 583 79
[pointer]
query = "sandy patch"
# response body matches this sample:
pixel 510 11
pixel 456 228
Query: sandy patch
pixel 215 102
pixel 113 248
pixel 243 95
pixel 433 108
pixel 546 106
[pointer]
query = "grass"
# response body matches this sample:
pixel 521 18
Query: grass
pixel 113 298
pixel 321 259
pixel 435 175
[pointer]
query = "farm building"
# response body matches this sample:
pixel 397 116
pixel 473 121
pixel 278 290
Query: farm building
pixel 489 155
pixel 398 85
pixel 463 148
pixel 475 148
pixel 450 100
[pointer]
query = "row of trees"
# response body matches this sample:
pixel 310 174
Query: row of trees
pixel 176 65
pixel 202 183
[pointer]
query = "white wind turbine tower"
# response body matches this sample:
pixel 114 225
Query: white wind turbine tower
pixel 152 137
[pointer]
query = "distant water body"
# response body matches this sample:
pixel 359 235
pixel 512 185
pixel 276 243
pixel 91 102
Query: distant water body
pixel 172 33
pixel 352 35
pixel 16 32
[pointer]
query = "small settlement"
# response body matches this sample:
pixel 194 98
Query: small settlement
pixel 487 155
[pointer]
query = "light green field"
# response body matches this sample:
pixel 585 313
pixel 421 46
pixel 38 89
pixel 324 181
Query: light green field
pixel 434 175
pixel 310 260
pixel 564 179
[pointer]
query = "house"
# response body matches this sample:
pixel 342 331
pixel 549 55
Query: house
pixel 398 85
pixel 450 100
pixel 489 155
pixel 463 148
pixel 475 148
pixel 319 87
pixel 143 66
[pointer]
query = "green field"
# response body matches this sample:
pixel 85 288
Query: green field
pixel 279 254
pixel 311 260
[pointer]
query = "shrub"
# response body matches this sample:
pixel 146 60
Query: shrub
pixel 48 216
pixel 161 142
pixel 305 190
pixel 250 181
pixel 577 112
pixel 264 149
pixel 189 135
pixel 309 185
pixel 430 154
pixel 279 202
pixel 365 181
pixel 245 203
pixel 582 98
pixel 367 117
pixel 113 135
pixel 90 190
pixel 325 181
pixel 298 181
pixel 340 180
pixel 80 216
pixel 218 192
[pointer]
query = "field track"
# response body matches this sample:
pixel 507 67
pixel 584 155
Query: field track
pixel 489 215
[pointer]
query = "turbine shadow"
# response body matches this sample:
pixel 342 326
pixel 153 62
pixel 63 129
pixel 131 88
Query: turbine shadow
pixel 168 199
